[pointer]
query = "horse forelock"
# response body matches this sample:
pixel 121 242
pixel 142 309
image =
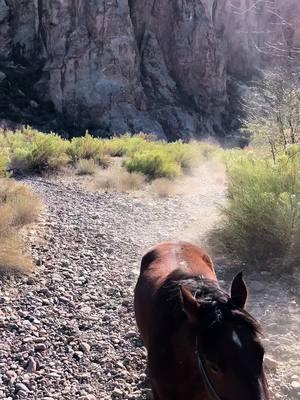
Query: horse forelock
pixel 218 308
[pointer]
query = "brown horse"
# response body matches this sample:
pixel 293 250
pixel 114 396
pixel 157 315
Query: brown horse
pixel 202 344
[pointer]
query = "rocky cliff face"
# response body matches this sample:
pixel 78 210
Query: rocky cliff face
pixel 257 34
pixel 121 65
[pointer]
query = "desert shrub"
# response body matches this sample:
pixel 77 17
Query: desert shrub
pixel 18 207
pixel 4 163
pixel 127 144
pixel 33 151
pixel 261 220
pixel 28 150
pixel 86 147
pixel 154 163
pixel 21 204
pixel 118 179
pixel 187 155
pixel 86 167
pixel 13 257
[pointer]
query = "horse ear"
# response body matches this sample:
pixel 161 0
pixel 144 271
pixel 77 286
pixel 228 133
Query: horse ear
pixel 239 291
pixel 190 305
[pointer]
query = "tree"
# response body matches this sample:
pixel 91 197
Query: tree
pixel 272 106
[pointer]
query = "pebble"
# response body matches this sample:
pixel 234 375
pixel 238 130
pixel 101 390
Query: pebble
pixel 117 392
pixel 40 347
pixel 85 347
pixel 22 386
pixel 31 365
pixel 295 384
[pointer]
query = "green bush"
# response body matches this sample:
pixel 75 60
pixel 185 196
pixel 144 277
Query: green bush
pixel 127 145
pixel 262 216
pixel 187 155
pixel 4 162
pixel 86 147
pixel 154 163
pixel 31 150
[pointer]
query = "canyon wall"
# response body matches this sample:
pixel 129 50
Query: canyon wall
pixel 114 66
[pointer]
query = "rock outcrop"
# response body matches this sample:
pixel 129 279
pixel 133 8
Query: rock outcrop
pixel 113 66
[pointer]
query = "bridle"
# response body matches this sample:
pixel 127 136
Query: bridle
pixel 208 384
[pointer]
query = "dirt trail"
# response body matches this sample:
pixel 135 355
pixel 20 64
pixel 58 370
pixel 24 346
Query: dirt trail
pixel 68 332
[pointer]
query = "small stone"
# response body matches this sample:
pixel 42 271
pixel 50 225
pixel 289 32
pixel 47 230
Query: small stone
pixel 130 334
pixel 33 104
pixel 31 365
pixel 2 76
pixel 87 397
pixel 117 392
pixel 22 394
pixel 40 347
pixel 295 384
pixel 63 300
pixel 65 263
pixel 78 355
pixel 85 347
pixel 21 386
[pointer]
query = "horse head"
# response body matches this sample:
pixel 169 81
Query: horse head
pixel 227 342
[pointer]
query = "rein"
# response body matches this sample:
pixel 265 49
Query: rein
pixel 209 386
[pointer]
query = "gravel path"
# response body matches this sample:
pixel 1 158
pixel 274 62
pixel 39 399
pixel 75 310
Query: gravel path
pixel 68 332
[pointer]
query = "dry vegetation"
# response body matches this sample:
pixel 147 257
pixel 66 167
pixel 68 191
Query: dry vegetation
pixel 86 167
pixel 18 208
pixel 261 220
pixel 118 179
pixel 30 151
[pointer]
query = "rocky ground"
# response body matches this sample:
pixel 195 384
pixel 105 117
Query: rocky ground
pixel 68 331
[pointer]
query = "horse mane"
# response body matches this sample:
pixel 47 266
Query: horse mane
pixel 219 307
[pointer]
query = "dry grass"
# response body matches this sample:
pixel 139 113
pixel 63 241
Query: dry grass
pixel 13 257
pixel 86 167
pixel 164 188
pixel 118 179
pixel 18 208
pixel 19 205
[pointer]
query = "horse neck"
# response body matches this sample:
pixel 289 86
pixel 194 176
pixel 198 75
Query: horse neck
pixel 185 356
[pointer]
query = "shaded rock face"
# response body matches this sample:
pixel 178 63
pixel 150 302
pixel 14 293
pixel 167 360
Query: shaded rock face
pixel 120 66
pixel 123 65
pixel 256 34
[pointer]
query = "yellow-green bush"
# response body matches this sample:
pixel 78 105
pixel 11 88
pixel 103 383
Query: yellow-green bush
pixel 187 155
pixel 127 144
pixel 154 164
pixel 31 150
pixel 86 147
pixel 4 162
pixel 262 216
pixel 28 150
